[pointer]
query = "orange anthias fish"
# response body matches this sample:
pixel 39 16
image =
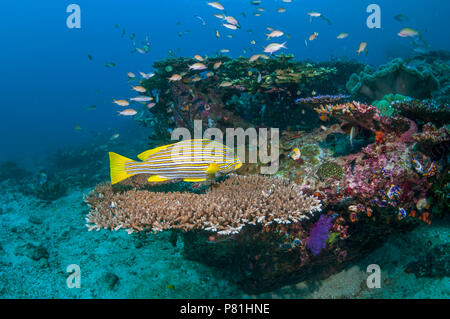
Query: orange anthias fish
pixel 274 34
pixel 273 47
pixel 139 89
pixel 198 57
pixel 313 36
pixel 197 66
pixel 216 5
pixel 128 112
pixel 175 77
pixel 362 47
pixel 121 102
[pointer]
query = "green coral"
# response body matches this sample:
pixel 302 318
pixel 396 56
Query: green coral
pixel 385 105
pixel 330 170
pixel 332 237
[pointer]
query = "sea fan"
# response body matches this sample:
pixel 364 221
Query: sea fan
pixel 319 234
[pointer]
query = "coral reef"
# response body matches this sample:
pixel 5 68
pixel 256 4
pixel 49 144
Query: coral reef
pixel 433 141
pixel 426 110
pixel 370 169
pixel 410 78
pixel 228 93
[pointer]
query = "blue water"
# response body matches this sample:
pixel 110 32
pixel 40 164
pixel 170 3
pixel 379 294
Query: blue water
pixel 48 81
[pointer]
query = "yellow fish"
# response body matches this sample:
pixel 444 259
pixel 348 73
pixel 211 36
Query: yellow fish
pixel 191 160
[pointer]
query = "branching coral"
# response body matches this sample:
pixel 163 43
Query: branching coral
pixel 234 203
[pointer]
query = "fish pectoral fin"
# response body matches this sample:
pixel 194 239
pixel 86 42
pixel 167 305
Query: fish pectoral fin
pixel 212 169
pixel 144 155
pixel 194 180
pixel 157 178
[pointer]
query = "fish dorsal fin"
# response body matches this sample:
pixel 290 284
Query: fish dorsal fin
pixel 144 155
pixel 157 178
pixel 212 169
pixel 194 180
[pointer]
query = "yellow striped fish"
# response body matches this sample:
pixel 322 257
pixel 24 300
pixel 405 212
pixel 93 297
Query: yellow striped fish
pixel 191 160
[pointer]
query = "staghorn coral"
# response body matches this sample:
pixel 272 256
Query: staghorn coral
pixel 234 203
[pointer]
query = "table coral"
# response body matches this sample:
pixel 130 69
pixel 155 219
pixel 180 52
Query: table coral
pixel 232 204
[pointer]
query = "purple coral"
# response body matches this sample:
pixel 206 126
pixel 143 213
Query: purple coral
pixel 319 234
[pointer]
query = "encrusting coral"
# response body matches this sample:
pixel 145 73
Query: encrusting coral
pixel 234 203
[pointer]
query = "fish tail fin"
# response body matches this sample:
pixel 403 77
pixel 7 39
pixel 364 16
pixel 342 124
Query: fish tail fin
pixel 117 167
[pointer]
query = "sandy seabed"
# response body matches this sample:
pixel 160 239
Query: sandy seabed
pixel 39 241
